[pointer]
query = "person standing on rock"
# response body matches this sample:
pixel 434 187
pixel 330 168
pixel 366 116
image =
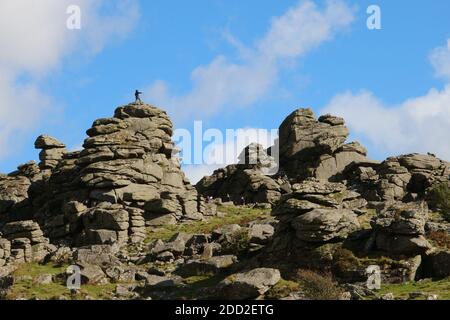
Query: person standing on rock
pixel 137 95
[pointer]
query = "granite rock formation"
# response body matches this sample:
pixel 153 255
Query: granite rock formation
pixel 327 208
pixel 245 181
pixel 307 148
pixel 126 176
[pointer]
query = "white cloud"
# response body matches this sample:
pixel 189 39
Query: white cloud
pixel 440 59
pixel 420 124
pixel 35 41
pixel 224 83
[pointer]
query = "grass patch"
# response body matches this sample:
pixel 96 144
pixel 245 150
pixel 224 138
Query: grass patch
pixel 25 288
pixel 317 286
pixel 193 287
pixel 98 292
pixel 440 288
pixel 282 289
pixel 233 215
pixel 440 239
pixel 440 195
pixel 238 244
pixel 35 269
pixel 347 260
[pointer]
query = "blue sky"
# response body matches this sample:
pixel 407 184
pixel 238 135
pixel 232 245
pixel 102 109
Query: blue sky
pixel 353 71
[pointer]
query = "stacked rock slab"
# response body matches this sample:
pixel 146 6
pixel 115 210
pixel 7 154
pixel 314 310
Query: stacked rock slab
pixel 126 176
pixel 402 178
pixel 14 199
pixel 5 251
pixel 27 240
pixel 13 194
pixel 311 147
pixel 52 152
pixel 315 213
pixel 248 180
pixel 399 229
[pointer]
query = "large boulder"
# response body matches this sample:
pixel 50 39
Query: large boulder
pixel 14 201
pixel 301 132
pixel 52 151
pixel 98 255
pixel 399 229
pixel 239 183
pixel 24 229
pixel 210 266
pixel 248 285
pixel 316 214
pixel 331 166
pixel 324 225
pixel 402 219
pixel 311 147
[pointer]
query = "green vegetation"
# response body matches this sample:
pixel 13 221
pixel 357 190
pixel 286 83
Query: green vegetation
pixel 238 244
pixel 233 215
pixel 194 286
pixel 25 287
pixel 282 289
pixel 440 288
pixel 345 259
pixel 440 239
pixel 318 286
pixel 440 195
pixel 35 269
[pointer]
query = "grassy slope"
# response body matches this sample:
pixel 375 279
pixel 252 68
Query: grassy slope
pixel 233 215
pixel 25 288
pixel 440 288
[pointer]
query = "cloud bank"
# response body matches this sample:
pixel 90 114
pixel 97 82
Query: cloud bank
pixel 419 124
pixel 36 42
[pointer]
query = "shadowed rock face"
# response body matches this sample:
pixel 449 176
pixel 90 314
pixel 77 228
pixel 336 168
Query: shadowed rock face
pixel 127 175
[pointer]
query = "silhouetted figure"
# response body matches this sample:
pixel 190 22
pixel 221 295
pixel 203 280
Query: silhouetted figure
pixel 242 203
pixel 137 95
